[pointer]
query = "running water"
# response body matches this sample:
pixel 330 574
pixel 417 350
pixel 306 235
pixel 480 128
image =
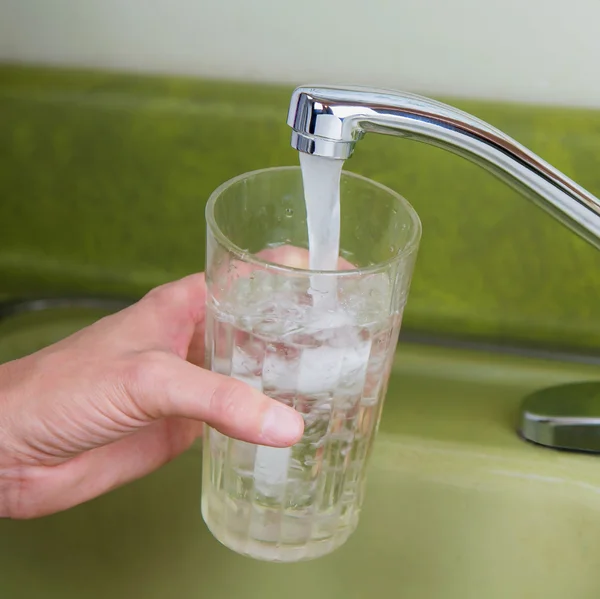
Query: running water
pixel 321 178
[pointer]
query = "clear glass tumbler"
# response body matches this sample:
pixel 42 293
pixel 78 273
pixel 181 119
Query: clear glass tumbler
pixel 331 363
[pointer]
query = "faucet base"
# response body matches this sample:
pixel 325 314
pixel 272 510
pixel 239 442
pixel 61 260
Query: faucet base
pixel 563 417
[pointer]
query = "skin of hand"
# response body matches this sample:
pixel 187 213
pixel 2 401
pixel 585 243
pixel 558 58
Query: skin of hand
pixel 117 400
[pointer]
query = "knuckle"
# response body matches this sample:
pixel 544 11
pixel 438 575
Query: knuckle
pixel 172 292
pixel 141 373
pixel 159 296
pixel 185 297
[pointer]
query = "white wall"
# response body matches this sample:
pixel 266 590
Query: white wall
pixel 530 50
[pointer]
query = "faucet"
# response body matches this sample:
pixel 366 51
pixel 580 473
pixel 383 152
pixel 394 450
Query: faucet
pixel 329 121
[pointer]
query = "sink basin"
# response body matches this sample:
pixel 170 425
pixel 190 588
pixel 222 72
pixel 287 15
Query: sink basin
pixel 457 506
pixel 103 181
pixel 27 326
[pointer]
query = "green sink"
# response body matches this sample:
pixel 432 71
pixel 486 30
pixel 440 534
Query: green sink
pixel 103 181
pixel 457 505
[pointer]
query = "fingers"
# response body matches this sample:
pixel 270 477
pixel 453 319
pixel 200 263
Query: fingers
pixel 295 257
pixel 50 490
pixel 184 298
pixel 177 318
pixel 165 386
pixel 196 354
pixel 284 255
pixel 174 315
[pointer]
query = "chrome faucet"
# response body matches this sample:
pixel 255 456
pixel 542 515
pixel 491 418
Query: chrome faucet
pixel 328 121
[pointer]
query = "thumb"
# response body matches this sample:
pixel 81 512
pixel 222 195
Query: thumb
pixel 168 386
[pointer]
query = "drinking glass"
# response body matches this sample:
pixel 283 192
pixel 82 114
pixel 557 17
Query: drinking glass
pixel 331 362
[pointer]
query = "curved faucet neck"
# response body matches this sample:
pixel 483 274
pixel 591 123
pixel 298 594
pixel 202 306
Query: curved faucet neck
pixel 328 121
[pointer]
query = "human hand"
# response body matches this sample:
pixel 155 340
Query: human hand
pixel 119 399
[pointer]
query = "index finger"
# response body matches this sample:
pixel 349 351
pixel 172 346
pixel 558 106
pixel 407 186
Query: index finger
pixel 295 257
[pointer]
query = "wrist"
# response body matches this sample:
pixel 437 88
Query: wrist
pixel 13 379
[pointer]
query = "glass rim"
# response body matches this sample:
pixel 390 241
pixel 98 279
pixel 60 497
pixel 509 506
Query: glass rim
pixel 246 256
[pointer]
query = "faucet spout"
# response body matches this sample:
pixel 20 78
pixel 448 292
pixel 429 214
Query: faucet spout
pixel 328 121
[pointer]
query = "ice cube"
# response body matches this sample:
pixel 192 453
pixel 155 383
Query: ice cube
pixel 340 362
pixel 247 359
pixel 319 369
pixel 280 369
pixel 270 471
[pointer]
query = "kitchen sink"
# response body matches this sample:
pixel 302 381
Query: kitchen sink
pixel 103 182
pixel 457 504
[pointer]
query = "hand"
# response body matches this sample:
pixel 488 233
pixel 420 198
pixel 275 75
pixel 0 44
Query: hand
pixel 119 399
